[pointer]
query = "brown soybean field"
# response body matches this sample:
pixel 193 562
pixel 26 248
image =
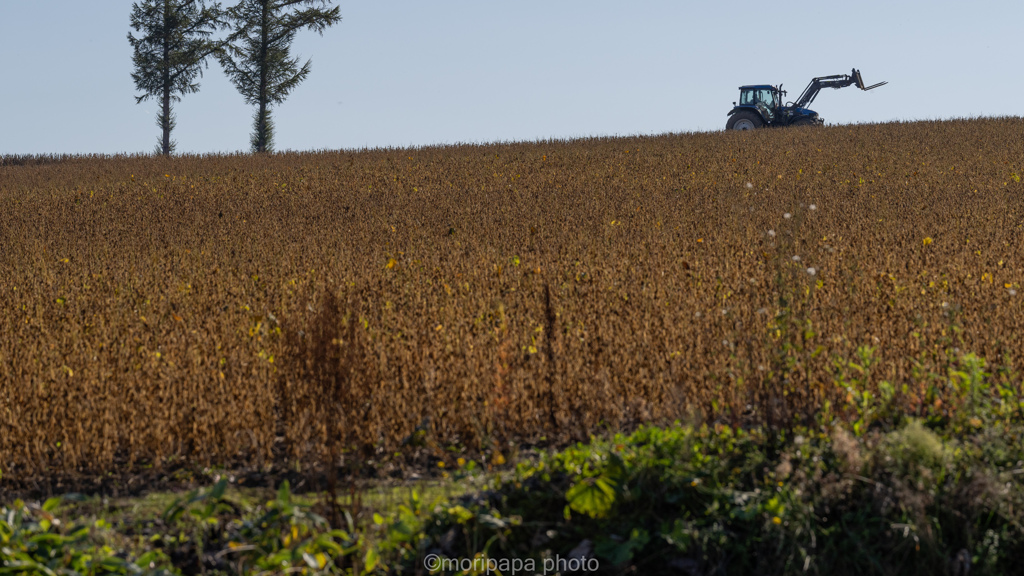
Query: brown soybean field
pixel 277 311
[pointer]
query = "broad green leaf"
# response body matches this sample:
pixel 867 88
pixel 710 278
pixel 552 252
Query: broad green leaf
pixel 51 504
pixel 592 496
pixel 461 514
pixel 219 488
pixel 284 492
pixel 371 560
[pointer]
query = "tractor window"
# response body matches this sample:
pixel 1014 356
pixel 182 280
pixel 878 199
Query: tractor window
pixel 752 97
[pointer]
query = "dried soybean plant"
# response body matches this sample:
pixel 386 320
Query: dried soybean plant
pixel 287 309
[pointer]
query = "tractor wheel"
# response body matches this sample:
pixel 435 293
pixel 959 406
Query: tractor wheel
pixel 802 121
pixel 744 121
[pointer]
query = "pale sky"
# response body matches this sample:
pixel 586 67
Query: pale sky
pixel 415 73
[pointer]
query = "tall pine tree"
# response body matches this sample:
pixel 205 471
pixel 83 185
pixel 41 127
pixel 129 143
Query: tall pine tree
pixel 169 55
pixel 258 58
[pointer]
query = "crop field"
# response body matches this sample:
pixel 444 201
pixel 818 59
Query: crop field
pixel 282 310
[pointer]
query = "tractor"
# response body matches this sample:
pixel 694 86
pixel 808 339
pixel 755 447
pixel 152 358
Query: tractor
pixel 761 105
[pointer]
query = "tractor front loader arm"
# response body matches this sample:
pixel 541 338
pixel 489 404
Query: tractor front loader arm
pixel 838 81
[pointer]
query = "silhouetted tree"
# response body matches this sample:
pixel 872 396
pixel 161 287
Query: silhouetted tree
pixel 170 53
pixel 257 57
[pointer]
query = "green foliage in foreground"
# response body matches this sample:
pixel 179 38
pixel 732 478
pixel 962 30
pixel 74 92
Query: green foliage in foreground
pixel 34 541
pixel 707 500
pixel 725 501
pixel 884 493
pixel 867 490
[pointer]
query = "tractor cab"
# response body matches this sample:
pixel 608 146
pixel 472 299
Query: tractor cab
pixel 751 95
pixel 761 105
pixel 766 99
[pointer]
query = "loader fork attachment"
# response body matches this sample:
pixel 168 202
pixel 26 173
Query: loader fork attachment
pixel 860 81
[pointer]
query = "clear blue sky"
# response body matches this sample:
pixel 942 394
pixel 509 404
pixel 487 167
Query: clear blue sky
pixel 412 73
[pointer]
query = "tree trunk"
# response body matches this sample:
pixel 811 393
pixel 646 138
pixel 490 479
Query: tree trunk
pixel 165 105
pixel 261 119
pixel 261 127
pixel 165 122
